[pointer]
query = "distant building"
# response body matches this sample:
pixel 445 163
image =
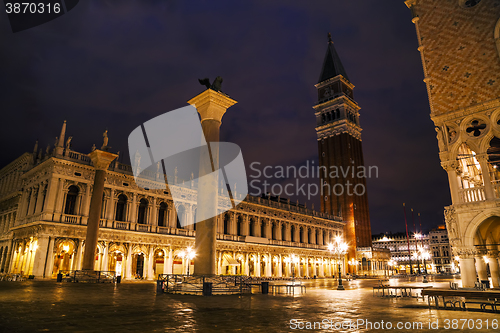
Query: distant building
pixel 401 259
pixel 440 249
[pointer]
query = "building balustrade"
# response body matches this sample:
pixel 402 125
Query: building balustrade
pixel 472 194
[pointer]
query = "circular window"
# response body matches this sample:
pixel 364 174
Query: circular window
pixel 323 154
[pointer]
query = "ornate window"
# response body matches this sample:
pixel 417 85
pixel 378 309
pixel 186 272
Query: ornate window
pixel 121 208
pixel 70 207
pixel 143 208
pixel 162 214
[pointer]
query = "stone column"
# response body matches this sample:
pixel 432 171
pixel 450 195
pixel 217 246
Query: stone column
pixel 149 266
pixel 79 253
pixel 133 209
pixel 153 219
pixel 110 207
pixel 50 259
pixel 280 267
pixel 481 269
pixel 467 267
pixel 128 266
pixel 450 167
pixel 211 106
pixel 105 257
pixel 101 160
pixel 485 171
pixel 257 269
pixel 58 202
pixel 39 199
pixel 40 257
pixel 493 262
pixel 170 262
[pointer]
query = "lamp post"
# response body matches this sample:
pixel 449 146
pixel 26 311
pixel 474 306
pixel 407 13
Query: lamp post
pixel 295 260
pixel 189 254
pixel 339 248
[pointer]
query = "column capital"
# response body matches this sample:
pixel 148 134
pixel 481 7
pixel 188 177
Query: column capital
pixel 465 252
pixel 102 159
pixel 212 104
pixel 450 165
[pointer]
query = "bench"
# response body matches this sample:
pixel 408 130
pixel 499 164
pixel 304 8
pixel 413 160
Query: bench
pixel 461 297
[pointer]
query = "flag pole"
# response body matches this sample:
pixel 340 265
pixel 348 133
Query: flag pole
pixel 407 238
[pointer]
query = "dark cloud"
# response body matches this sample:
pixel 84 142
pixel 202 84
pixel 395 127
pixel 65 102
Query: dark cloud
pixel 114 65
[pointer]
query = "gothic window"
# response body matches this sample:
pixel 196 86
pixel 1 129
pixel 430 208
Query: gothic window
pixel 469 168
pixel 121 208
pixel 301 235
pixel 323 118
pixel 283 232
pixel 162 214
pixel 263 229
pixel 273 230
pixel 143 207
pixel 337 113
pixel 329 116
pixel 292 233
pixel 71 200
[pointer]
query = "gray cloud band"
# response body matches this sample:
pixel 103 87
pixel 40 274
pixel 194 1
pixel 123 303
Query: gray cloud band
pixel 171 148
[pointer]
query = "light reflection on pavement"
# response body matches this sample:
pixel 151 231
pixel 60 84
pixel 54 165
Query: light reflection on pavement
pixel 134 307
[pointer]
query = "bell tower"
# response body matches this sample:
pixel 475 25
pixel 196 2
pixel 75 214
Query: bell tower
pixel 343 182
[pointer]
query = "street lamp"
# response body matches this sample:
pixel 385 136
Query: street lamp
pixel 353 262
pixel 189 254
pixel 339 248
pixel 295 260
pixel 391 264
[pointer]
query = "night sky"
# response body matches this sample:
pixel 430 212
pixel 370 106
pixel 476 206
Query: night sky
pixel 116 64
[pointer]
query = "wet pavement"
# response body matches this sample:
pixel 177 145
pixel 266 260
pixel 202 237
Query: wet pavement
pixel 47 306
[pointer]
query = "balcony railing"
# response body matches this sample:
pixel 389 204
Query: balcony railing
pixel 472 194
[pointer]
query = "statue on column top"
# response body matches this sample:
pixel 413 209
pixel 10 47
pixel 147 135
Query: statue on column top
pixel 105 141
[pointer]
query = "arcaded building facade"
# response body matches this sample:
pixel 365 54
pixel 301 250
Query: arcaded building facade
pixel 44 208
pixel 459 43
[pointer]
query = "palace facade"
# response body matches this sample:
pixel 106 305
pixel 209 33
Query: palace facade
pixel 44 208
pixel 459 43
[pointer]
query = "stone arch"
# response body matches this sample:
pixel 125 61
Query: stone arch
pixel 471 229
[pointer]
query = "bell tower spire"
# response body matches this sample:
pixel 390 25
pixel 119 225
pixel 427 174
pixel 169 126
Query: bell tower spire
pixel 343 191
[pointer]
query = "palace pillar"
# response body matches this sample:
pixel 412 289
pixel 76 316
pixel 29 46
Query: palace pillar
pixel 101 160
pixel 40 257
pixel 211 106
pixel 467 267
pixel 481 269
pixel 493 263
